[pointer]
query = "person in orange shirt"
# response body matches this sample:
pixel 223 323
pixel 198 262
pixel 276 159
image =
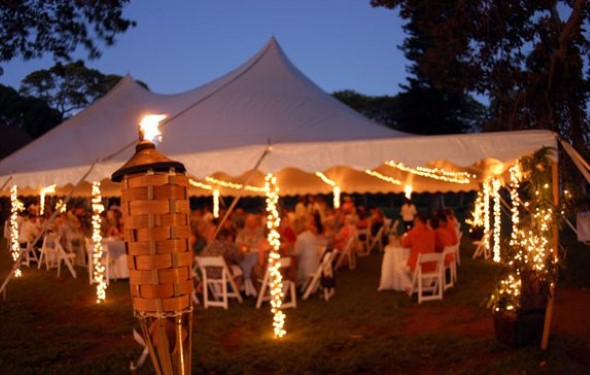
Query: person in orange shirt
pixel 420 239
pixel 442 235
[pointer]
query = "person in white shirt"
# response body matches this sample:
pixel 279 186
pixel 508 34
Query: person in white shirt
pixel 28 230
pixel 306 250
pixel 408 212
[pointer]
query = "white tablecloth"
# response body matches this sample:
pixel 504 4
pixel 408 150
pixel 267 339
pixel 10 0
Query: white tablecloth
pixel 394 273
pixel 118 258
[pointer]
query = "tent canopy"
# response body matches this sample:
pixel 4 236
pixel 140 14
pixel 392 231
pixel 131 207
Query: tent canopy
pixel 222 128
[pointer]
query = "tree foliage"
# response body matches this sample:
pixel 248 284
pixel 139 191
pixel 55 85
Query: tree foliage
pixel 529 57
pixel 29 114
pixel 32 28
pixel 68 88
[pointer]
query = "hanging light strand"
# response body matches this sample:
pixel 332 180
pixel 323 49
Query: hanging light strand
pixel 199 185
pixel 496 184
pixel 16 206
pixel 382 177
pixel 486 214
pixel 434 173
pixel 98 267
pixel 44 191
pixel 335 188
pixel 216 203
pixel 274 258
pixel 233 185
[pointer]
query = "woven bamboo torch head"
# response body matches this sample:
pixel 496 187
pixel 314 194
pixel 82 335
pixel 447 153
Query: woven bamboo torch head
pixel 155 205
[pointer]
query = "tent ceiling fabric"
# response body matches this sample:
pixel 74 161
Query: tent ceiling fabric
pixel 227 124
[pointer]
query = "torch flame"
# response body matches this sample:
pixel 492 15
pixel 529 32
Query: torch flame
pixel 149 127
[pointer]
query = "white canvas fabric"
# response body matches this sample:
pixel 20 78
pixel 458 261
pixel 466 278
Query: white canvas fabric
pixel 223 128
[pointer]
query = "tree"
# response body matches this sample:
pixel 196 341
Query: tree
pixel 529 58
pixel 381 109
pixel 32 28
pixel 69 88
pixel 29 114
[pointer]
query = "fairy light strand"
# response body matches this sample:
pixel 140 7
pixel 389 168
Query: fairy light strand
pixel 199 185
pixel 335 188
pixel 486 214
pixel 496 184
pixel 44 191
pixel 382 177
pixel 434 173
pixel 97 253
pixel 233 185
pixel 274 258
pixel 15 207
pixel 216 203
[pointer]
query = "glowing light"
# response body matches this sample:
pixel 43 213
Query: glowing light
pixel 382 177
pixel 44 191
pixel 60 206
pixel 486 214
pixel 408 191
pixel 274 258
pixel 233 185
pixel 16 206
pixel 99 268
pixel 149 126
pixel 515 176
pixel 335 188
pixel 216 203
pixel 477 215
pixel 496 184
pixel 199 185
pixel 434 173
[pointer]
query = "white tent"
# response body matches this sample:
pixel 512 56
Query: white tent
pixel 222 128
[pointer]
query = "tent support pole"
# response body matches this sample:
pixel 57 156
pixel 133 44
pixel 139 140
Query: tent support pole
pixel 16 264
pixel 240 193
pixel 6 183
pixel 554 248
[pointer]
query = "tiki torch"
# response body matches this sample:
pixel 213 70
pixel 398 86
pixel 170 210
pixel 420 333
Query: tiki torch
pixel 154 201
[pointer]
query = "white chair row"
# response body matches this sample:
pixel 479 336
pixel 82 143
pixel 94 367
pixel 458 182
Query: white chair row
pixel 430 278
pixel 54 255
pixel 371 242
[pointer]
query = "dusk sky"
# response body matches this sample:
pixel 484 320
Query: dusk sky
pixel 180 44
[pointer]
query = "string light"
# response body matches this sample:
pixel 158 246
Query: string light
pixel 496 184
pixel 434 173
pixel 477 215
pixel 199 185
pixel 515 176
pixel 60 206
pixel 274 258
pixel 233 185
pixel 99 268
pixel 335 188
pixel 44 191
pixel 382 177
pixel 16 206
pixel 216 203
pixel 486 214
pixel 408 191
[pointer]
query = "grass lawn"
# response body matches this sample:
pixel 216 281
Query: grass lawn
pixel 53 326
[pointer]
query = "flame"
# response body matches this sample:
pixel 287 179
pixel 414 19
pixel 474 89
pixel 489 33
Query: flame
pixel 149 127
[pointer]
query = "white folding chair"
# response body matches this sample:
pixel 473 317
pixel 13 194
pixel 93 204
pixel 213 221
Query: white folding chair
pixel 429 283
pixel 347 253
pixel 77 245
pixel 55 255
pixel 393 229
pixel 377 240
pixel 29 254
pixel 217 283
pixel 450 251
pixel 314 281
pixel 287 290
pixel 481 247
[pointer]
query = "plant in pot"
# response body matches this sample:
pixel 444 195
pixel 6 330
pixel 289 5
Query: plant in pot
pixel 520 299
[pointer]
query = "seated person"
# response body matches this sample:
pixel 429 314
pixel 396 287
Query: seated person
pixel 306 251
pixel 225 247
pixel 443 237
pixel 251 237
pixel 420 239
pixel 345 233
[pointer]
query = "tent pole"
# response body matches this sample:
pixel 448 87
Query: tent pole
pixel 551 299
pixel 6 183
pixel 16 264
pixel 240 193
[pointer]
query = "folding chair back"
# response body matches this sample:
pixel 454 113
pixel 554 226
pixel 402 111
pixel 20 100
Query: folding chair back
pixel 348 254
pixel 314 281
pixel 29 254
pixel 218 285
pixel 289 294
pixel 428 277
pixel 449 255
pixel 377 240
pixel 49 251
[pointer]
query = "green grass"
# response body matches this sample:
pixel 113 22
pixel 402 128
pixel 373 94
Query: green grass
pixel 53 326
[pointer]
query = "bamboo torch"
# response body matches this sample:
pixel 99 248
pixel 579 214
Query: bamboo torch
pixel 154 201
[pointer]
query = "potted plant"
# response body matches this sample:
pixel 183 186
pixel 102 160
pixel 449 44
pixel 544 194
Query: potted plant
pixel 520 299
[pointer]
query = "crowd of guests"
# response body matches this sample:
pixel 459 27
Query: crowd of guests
pixel 430 234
